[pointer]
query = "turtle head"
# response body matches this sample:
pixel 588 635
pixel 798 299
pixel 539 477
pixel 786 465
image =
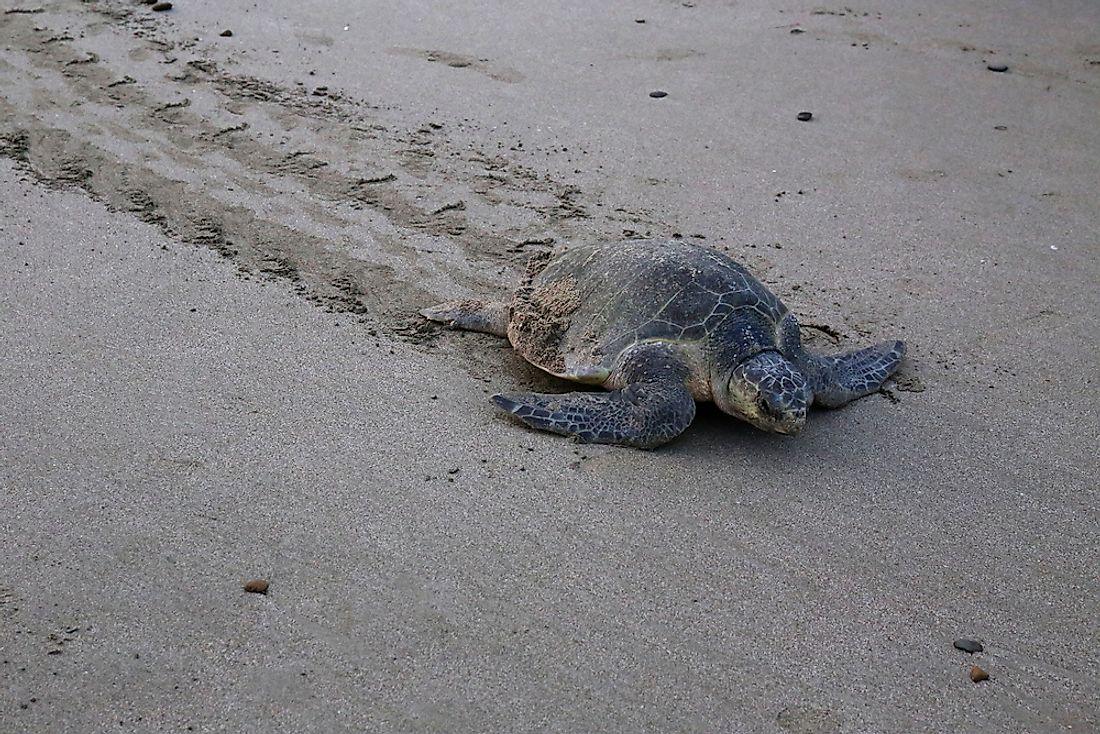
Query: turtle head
pixel 767 391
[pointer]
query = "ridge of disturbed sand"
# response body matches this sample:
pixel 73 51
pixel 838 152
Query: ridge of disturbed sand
pixel 134 135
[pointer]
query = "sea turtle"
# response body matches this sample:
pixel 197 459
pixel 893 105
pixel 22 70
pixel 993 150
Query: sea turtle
pixel 662 324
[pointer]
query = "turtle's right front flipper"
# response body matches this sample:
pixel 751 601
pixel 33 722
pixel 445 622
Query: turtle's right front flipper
pixel 639 415
pixel 653 407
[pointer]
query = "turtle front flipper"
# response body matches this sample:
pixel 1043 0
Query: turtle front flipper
pixel 490 317
pixel 642 416
pixel 841 378
pixel 652 408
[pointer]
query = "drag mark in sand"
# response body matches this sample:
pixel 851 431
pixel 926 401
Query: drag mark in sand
pixel 357 212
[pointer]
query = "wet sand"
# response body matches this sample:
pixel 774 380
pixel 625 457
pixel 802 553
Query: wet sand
pixel 213 250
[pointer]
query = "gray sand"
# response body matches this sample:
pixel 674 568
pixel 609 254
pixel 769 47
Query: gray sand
pixel 211 255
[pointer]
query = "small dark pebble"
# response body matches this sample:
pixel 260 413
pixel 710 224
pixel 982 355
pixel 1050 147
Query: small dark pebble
pixel 256 586
pixel 639 20
pixel 796 31
pixel 805 116
pixel 978 675
pixel 970 646
pixel 1000 127
pixel 997 67
pixel 158 7
pixel 226 33
pixel 657 94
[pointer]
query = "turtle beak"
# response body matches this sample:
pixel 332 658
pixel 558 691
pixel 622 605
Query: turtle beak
pixel 789 425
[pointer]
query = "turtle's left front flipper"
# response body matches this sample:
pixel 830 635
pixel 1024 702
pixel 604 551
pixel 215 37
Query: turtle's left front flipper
pixel 842 378
pixel 652 408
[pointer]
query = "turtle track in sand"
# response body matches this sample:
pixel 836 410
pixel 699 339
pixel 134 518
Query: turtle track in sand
pixel 346 202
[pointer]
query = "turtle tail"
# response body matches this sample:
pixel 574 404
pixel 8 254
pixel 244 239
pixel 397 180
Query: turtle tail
pixel 842 378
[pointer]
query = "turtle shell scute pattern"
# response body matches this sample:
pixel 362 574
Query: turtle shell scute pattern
pixel 583 307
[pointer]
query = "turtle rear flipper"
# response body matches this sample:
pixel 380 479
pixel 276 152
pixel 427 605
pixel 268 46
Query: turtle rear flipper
pixel 490 317
pixel 652 408
pixel 841 378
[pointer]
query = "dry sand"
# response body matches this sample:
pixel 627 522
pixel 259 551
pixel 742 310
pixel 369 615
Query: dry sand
pixel 212 250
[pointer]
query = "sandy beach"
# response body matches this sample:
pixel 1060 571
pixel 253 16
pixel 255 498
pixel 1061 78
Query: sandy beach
pixel 218 224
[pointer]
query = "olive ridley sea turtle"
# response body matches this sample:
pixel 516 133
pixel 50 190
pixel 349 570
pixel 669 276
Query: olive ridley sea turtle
pixel 662 324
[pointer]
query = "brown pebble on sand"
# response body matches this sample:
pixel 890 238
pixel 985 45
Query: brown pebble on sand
pixel 162 6
pixel 977 674
pixel 256 586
